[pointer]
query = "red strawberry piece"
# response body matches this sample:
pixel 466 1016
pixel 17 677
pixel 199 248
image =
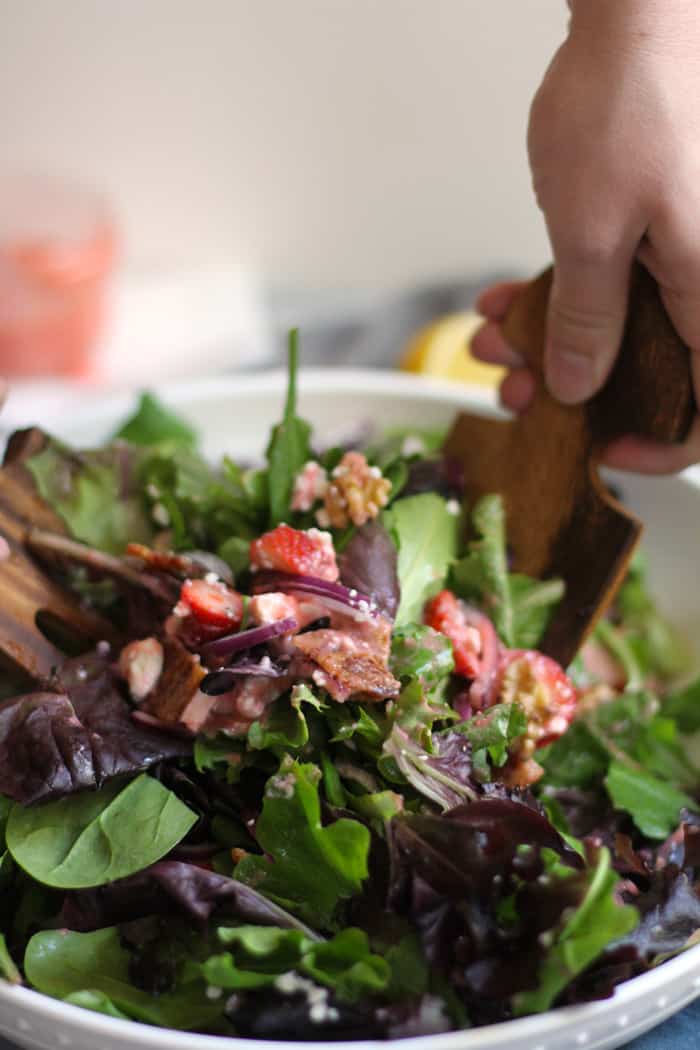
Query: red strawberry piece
pixel 543 690
pixel 304 553
pixel 471 632
pixel 213 604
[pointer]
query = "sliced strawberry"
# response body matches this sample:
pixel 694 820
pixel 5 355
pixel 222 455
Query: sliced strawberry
pixel 213 604
pixel 543 690
pixel 474 642
pixel 304 553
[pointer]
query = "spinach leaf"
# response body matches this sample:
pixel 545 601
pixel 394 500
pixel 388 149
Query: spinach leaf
pixel 91 839
pixel 577 759
pixel 95 967
pixel 289 447
pixel 153 423
pixel 426 535
pixel 95 493
pixel 519 606
pixel 597 922
pixel 653 804
pixel 313 867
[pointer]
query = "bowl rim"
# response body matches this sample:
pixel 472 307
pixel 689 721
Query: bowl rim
pixel 556 1022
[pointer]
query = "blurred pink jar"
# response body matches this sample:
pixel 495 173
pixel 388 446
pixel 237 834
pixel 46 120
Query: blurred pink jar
pixel 57 251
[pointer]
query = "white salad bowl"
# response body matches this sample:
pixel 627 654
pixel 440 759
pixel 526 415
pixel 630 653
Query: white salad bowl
pixel 234 414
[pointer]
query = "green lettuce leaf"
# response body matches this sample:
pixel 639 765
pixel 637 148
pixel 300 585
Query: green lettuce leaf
pixel 347 965
pixel 420 652
pixel 285 727
pixel 519 606
pixel 491 734
pixel 594 924
pixel 653 804
pixel 426 535
pixel 153 423
pixel 95 493
pixel 313 868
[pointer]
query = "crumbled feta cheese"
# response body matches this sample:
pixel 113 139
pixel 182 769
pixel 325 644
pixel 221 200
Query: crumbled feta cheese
pixel 412 446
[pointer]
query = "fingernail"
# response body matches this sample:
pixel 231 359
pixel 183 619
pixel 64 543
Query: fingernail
pixel 570 375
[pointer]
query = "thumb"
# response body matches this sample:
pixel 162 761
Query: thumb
pixel 586 320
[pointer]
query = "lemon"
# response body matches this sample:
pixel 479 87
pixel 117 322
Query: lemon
pixel 441 349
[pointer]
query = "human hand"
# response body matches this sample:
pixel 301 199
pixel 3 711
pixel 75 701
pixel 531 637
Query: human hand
pixel 614 145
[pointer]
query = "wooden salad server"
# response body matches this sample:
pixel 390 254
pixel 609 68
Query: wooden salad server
pixel 561 518
pixel 28 597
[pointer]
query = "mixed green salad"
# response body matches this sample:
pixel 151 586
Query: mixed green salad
pixel 325 786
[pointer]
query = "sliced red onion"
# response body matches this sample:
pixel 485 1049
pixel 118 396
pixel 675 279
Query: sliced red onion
pixel 335 595
pixel 222 648
pixel 218 682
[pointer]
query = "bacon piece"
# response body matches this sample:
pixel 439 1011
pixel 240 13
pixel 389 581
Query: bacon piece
pixel 348 666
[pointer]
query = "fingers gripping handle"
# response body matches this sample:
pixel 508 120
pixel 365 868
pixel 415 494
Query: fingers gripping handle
pixel 649 392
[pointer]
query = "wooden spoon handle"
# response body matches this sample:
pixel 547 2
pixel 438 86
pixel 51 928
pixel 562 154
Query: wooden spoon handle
pixel 650 390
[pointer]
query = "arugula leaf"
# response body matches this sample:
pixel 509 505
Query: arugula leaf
pixel 289 447
pixel 653 804
pixel 91 839
pixel 313 868
pixel 519 606
pixel 597 922
pixel 153 423
pixel 94 493
pixel 491 733
pixel 426 535
pixel 96 967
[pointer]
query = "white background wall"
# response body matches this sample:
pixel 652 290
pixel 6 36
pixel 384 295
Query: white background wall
pixel 324 141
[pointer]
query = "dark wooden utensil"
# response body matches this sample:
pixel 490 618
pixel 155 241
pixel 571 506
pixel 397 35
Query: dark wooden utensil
pixel 562 520
pixel 28 597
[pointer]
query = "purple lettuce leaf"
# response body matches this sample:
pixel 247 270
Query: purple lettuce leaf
pixel 467 847
pixel 369 565
pixel 441 474
pixel 77 737
pixel 271 1014
pixel 174 888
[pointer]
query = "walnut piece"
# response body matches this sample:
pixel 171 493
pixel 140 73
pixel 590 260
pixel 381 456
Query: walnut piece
pixel 355 494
